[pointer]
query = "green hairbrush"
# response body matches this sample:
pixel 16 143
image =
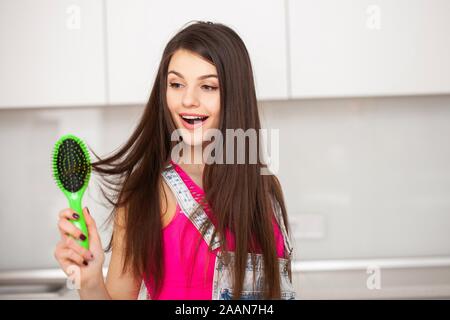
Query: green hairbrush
pixel 72 170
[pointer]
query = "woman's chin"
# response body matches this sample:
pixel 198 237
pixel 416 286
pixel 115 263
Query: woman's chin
pixel 191 141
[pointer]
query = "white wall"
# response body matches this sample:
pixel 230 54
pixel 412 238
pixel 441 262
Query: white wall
pixel 376 171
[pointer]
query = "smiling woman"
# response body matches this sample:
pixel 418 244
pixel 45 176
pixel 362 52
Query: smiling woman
pixel 195 231
pixel 193 97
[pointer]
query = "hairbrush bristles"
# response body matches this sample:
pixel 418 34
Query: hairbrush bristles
pixel 71 164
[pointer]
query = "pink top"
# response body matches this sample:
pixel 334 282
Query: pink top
pixel 185 277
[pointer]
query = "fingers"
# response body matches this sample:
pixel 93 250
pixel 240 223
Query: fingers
pixel 72 255
pixel 68 228
pixel 67 256
pixel 68 251
pixel 91 226
pixel 90 222
pixel 69 214
pixel 63 234
pixel 72 244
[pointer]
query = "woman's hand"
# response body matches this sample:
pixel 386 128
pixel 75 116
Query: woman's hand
pixel 69 253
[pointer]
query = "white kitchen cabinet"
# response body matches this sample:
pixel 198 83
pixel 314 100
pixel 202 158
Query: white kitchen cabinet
pixel 369 47
pixel 138 31
pixel 51 53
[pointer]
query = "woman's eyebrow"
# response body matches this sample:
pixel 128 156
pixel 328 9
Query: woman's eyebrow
pixel 199 78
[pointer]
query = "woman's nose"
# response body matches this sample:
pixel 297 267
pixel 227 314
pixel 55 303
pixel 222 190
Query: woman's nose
pixel 190 98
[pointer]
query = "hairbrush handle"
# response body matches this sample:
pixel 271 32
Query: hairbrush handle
pixel 80 223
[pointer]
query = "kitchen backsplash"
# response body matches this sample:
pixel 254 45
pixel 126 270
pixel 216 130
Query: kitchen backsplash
pixel 363 178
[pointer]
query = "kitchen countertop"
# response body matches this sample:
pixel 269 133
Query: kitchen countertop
pixel 318 278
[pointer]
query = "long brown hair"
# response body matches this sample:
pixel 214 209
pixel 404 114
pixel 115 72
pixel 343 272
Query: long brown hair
pixel 238 195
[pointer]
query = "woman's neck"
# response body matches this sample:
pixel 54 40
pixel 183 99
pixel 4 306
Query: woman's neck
pixel 192 162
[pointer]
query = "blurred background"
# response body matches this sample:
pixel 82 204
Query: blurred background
pixel 360 91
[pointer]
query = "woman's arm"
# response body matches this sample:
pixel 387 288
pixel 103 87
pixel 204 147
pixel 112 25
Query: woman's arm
pixel 117 286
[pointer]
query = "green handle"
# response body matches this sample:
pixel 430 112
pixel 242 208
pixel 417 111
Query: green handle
pixel 75 204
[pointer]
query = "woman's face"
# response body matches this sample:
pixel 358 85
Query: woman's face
pixel 193 95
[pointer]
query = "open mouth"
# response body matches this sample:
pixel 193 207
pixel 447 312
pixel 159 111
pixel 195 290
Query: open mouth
pixel 192 122
pixel 193 119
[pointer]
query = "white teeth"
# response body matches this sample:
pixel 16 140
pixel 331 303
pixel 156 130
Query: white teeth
pixel 192 117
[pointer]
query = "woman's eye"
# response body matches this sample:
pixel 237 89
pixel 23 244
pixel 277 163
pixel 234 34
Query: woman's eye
pixel 209 88
pixel 174 85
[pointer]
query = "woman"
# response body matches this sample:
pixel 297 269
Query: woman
pixel 187 229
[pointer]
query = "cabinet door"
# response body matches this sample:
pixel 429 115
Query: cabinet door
pixel 138 31
pixel 52 53
pixel 369 47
